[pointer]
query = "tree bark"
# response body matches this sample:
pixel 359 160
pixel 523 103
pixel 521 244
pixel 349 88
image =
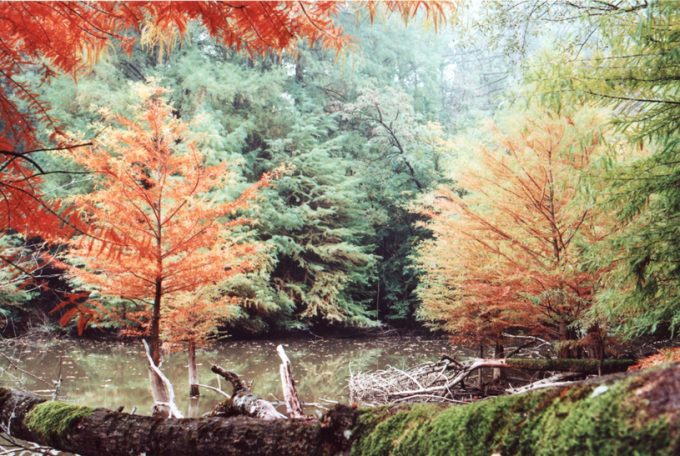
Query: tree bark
pixel 193 372
pixel 642 416
pixel 498 352
pixel 155 327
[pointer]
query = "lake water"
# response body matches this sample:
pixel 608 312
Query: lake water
pixel 113 374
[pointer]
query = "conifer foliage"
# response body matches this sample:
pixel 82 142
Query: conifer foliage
pixel 54 37
pixel 153 229
pixel 507 254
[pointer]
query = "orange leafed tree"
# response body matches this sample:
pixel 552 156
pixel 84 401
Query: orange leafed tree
pixel 508 254
pixel 69 36
pixel 188 321
pixel 154 229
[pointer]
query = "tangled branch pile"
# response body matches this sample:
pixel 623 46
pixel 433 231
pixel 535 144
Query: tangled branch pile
pixel 445 380
pixel 429 382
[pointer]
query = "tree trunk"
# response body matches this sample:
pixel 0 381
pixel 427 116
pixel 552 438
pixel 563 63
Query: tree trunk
pixel 498 352
pixel 193 372
pixel 159 390
pixel 480 378
pixel 619 414
pixel 193 410
pixel 155 327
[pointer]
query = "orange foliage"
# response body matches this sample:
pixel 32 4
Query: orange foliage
pixel 191 318
pixel 506 255
pixel 665 355
pixel 153 229
pixel 52 37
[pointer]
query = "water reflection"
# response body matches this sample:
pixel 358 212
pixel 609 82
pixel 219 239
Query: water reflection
pixel 108 374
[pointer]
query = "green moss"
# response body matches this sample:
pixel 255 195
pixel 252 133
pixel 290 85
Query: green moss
pixel 580 420
pixel 52 419
pixel 385 432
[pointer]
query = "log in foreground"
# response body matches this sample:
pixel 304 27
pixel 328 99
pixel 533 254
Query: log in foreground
pixel 619 414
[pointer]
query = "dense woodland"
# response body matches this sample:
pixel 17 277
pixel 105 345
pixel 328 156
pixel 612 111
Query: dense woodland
pixel 489 171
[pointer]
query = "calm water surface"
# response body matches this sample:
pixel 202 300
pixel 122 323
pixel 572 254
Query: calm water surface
pixel 113 374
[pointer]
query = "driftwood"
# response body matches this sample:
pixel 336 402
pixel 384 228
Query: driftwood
pixel 643 417
pixel 443 381
pixel 290 394
pixel 161 389
pixel 243 401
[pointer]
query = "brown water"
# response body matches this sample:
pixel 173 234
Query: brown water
pixel 114 374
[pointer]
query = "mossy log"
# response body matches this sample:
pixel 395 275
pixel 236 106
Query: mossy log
pixel 582 366
pixel 618 414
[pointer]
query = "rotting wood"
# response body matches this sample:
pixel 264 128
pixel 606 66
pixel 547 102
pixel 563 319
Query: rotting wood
pixel 290 394
pixel 244 401
pixel 161 389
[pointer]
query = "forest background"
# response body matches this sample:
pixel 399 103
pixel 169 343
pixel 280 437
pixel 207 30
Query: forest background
pixel 365 226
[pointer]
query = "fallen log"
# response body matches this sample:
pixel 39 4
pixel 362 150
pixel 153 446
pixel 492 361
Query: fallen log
pixel 561 379
pixel 618 414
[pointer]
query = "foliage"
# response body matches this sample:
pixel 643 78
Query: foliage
pixel 318 227
pixel 15 276
pixel 193 317
pixel 153 228
pixel 258 113
pixel 637 74
pixel 508 253
pixel 622 55
pixel 665 355
pixel 68 37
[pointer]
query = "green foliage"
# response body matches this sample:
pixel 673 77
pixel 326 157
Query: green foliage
pixel 623 56
pixel 634 69
pixel 337 223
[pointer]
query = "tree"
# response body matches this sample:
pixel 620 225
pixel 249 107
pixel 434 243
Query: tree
pixel 622 55
pixel 252 111
pixel 153 229
pixel 188 319
pixel 319 225
pixel 15 277
pixel 635 72
pixel 68 37
pixel 402 154
pixel 508 254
